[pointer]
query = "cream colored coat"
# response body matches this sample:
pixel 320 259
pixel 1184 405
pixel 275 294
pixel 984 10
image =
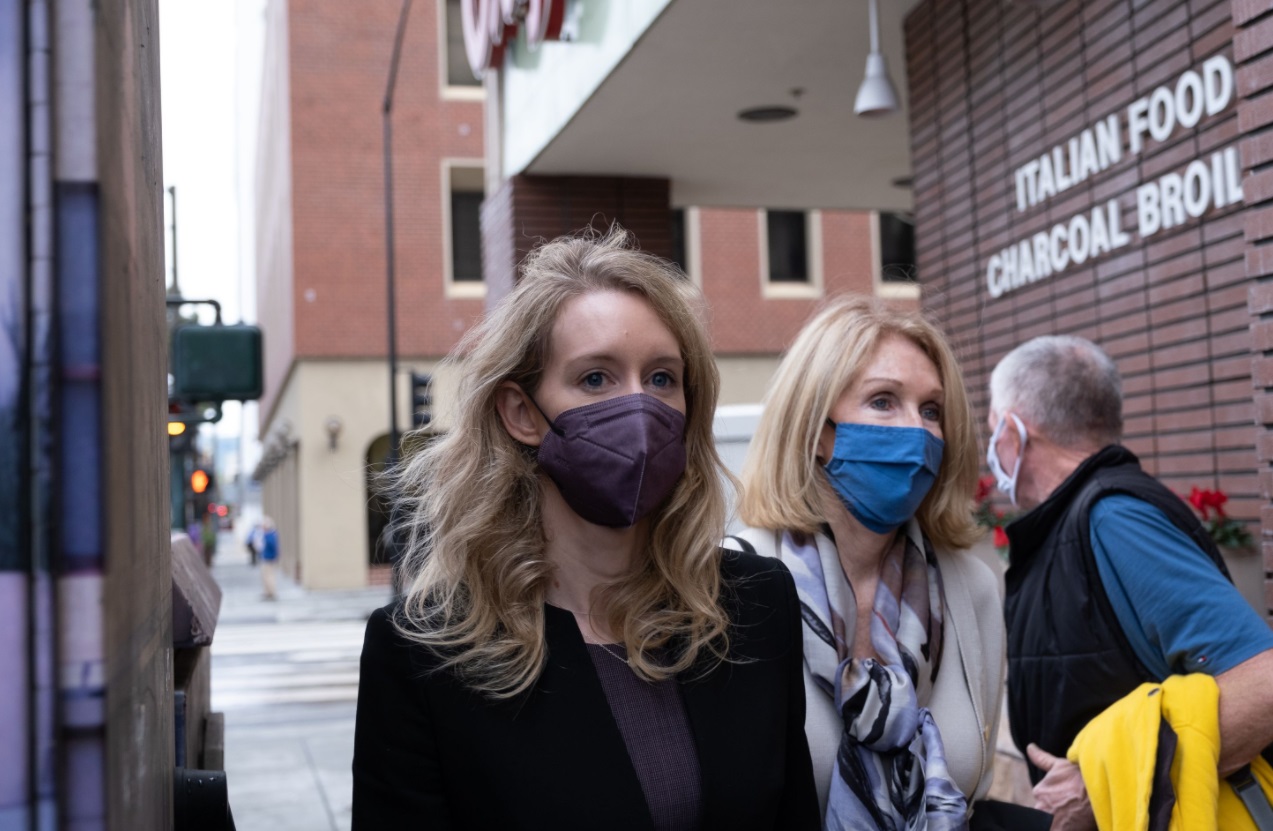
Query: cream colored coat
pixel 969 689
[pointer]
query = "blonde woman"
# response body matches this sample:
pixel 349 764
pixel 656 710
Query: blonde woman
pixel 573 650
pixel 860 479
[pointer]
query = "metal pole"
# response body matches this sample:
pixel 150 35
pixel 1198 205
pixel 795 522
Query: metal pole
pixel 389 247
pixel 392 461
pixel 178 302
pixel 389 283
pixel 175 288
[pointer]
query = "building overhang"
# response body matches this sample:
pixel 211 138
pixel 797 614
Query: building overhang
pixel 664 101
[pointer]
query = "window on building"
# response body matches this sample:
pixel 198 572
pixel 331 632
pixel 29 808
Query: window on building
pixel 462 208
pixel 466 228
pixel 787 240
pixel 680 254
pixel 458 71
pixel 897 248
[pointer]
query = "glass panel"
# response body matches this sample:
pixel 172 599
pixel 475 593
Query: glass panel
pixel 466 237
pixel 788 247
pixel 897 248
pixel 458 71
pixel 679 256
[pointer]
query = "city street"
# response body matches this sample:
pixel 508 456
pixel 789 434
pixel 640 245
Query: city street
pixel 285 673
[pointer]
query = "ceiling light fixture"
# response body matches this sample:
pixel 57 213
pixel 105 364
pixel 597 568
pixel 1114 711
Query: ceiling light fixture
pixel 876 96
pixel 764 114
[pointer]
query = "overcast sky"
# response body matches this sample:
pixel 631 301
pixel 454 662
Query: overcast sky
pixel 210 56
pixel 210 64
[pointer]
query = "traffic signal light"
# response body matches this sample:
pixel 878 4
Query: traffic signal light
pixel 421 399
pixel 203 490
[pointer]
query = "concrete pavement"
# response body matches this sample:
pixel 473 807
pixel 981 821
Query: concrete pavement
pixel 285 673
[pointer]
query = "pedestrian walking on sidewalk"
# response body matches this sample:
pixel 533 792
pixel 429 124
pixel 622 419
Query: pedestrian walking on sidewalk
pixel 269 558
pixel 1115 593
pixel 574 650
pixel 251 542
pixel 208 538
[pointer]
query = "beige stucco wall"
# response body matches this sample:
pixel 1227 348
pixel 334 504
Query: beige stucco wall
pixel 744 378
pixel 330 484
pixel 333 490
pixel 280 495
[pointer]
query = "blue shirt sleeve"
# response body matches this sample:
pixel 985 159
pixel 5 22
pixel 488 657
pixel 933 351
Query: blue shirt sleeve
pixel 1178 611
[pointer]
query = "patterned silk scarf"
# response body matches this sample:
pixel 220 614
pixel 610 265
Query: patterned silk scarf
pixel 890 770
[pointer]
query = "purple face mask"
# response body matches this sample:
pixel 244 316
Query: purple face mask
pixel 616 460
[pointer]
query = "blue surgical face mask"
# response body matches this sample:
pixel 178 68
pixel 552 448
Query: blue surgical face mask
pixel 883 473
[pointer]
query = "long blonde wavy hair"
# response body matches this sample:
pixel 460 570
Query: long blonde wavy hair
pixel 781 477
pixel 474 571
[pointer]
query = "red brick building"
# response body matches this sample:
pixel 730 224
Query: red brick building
pixel 322 295
pixel 321 254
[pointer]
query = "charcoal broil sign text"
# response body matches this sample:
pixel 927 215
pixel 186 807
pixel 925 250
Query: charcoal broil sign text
pixel 1205 184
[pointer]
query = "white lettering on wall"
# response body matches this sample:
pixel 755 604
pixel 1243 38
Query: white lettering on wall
pixel 1152 117
pixel 1066 165
pixel 1073 242
pixel 1167 202
pixel 1217 74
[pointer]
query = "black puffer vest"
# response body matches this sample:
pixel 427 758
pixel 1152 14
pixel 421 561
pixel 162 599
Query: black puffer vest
pixel 1068 658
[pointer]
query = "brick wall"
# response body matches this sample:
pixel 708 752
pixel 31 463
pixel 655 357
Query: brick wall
pixel 743 320
pixel 339 62
pixel 994 85
pixel 1253 54
pixel 527 209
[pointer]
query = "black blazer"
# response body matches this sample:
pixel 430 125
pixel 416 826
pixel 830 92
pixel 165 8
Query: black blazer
pixel 429 753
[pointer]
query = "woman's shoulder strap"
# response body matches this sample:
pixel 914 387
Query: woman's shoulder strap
pixel 759 541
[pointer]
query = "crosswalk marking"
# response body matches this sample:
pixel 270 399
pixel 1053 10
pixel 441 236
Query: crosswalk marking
pixel 283 667
pixel 232 683
pixel 230 701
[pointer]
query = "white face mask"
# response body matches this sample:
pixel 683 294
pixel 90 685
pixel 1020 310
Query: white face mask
pixel 1007 484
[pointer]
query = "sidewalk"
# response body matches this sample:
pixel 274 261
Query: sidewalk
pixel 285 673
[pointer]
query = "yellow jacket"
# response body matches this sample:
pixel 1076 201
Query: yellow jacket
pixel 1116 752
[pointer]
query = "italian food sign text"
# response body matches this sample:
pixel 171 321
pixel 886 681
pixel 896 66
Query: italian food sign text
pixel 1206 183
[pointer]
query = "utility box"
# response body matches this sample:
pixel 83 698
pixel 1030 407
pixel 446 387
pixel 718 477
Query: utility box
pixel 217 363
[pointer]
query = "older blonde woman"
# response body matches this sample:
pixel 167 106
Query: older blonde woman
pixel 573 649
pixel 860 479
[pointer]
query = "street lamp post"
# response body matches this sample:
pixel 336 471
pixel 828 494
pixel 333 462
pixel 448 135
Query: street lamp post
pixel 389 252
pixel 392 461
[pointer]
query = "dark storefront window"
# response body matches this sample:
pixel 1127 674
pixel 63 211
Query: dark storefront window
pixel 458 71
pixel 466 236
pixel 787 236
pixel 897 248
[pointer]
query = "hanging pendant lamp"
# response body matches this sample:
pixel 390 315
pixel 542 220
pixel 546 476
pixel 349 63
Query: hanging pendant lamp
pixel 877 95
